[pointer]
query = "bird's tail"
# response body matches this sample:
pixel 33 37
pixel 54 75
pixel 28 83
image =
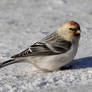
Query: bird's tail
pixel 8 62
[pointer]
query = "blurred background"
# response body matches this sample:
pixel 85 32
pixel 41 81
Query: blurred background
pixel 23 22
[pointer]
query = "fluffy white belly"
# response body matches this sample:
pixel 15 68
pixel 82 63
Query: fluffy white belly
pixel 53 62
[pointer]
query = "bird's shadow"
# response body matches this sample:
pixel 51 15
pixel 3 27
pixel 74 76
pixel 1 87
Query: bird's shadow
pixel 85 62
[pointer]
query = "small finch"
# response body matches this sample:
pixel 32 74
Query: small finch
pixel 53 51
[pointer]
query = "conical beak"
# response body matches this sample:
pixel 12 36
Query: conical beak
pixel 77 33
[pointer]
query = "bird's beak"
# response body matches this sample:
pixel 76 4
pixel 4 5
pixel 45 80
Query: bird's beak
pixel 77 33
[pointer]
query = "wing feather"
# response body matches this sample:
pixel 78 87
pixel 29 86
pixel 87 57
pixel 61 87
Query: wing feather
pixel 46 47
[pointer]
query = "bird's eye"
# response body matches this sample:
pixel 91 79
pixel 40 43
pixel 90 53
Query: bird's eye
pixel 71 29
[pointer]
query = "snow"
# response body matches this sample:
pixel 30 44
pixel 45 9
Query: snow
pixel 23 22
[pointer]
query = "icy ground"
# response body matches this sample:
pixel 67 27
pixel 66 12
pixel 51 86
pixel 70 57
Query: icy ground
pixel 23 22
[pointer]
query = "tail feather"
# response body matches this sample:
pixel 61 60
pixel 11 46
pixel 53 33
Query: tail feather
pixel 8 62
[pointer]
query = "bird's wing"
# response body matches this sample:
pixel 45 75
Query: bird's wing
pixel 46 48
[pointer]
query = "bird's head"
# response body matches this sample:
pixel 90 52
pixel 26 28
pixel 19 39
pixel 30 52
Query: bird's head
pixel 70 31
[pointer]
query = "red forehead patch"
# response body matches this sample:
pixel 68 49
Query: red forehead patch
pixel 73 23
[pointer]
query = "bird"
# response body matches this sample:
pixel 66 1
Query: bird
pixel 53 51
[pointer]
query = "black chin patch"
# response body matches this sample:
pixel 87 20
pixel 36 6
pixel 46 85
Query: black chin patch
pixel 77 35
